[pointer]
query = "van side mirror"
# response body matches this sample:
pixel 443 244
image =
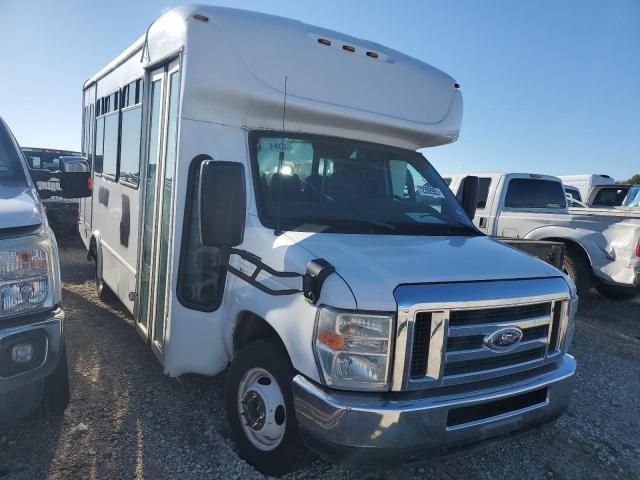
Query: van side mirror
pixel 75 177
pixel 468 195
pixel 222 202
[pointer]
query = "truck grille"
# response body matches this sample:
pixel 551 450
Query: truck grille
pixel 450 344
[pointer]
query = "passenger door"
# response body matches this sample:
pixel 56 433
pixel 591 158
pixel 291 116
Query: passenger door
pixel 157 221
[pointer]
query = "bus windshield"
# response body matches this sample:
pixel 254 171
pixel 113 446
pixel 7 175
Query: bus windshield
pixel 314 183
pixel 10 166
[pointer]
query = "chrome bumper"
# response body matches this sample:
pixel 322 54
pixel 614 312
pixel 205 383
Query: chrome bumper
pixel 49 328
pixel 356 427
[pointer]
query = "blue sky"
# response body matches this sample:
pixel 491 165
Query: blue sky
pixel 549 86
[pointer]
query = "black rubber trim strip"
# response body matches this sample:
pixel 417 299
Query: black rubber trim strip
pixel 260 266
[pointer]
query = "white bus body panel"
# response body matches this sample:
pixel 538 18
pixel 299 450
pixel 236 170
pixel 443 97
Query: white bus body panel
pixel 230 85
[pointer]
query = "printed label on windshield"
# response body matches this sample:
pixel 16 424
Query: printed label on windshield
pixel 427 190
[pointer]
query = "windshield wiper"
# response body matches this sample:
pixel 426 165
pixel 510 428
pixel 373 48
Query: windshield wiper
pixel 329 218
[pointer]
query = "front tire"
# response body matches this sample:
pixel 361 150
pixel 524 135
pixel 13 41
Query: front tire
pixel 260 410
pixel 578 270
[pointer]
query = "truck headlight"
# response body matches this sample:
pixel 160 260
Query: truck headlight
pixel 25 275
pixel 353 349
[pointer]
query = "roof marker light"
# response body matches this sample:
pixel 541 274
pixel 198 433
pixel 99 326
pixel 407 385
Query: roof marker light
pixel 324 41
pixel 199 16
pixel 372 54
pixel 348 48
pixel 456 85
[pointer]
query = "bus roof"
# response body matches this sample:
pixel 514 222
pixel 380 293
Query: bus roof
pixel 237 62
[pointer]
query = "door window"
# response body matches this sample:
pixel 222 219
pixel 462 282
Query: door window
pixel 483 191
pixel 165 208
pixel 201 278
pixel 149 202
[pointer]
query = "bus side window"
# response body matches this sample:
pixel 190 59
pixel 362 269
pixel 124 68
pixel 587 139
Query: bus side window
pixel 99 144
pixel 201 273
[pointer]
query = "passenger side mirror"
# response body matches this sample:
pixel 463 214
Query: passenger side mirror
pixel 468 195
pixel 222 201
pixel 75 177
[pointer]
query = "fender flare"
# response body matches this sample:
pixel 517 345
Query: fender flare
pixel 563 234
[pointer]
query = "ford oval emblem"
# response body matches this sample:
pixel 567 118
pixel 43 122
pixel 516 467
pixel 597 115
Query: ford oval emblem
pixel 503 339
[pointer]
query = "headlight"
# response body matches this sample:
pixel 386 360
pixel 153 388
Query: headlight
pixel 353 349
pixel 25 275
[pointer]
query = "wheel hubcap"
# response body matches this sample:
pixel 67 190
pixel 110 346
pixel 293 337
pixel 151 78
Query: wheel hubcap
pixel 262 409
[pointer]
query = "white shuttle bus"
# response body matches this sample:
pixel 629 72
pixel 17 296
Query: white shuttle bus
pixel 259 206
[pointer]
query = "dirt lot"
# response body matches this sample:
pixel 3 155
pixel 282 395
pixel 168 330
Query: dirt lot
pixel 141 424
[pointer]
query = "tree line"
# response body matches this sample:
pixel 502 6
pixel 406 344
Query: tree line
pixel 634 179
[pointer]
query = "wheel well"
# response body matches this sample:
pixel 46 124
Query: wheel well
pixel 249 328
pixel 570 244
pixel 92 253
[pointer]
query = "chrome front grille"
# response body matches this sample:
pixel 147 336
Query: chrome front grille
pixel 445 340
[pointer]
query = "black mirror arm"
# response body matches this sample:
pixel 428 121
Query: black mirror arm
pixel 317 272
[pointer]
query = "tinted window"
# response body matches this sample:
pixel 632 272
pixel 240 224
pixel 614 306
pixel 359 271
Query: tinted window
pixel 110 149
pixel 534 193
pixel 130 145
pixel 483 191
pixel 573 193
pixel 10 166
pixel 34 158
pixel 201 277
pixel 99 144
pixel 610 197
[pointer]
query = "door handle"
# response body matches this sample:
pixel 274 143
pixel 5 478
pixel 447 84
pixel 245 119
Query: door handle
pixel 483 222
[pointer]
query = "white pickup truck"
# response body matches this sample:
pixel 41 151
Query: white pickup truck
pixel 602 245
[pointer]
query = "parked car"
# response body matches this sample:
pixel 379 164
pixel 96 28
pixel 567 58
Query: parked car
pixel 600 244
pixel 272 216
pixel 607 196
pixel 632 200
pixel 62 212
pixel 584 183
pixel 33 360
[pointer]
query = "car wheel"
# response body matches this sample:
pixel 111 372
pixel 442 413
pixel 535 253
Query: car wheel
pixel 575 266
pixel 260 411
pixel 55 397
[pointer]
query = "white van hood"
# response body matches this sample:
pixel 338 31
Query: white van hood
pixel 19 206
pixel 374 265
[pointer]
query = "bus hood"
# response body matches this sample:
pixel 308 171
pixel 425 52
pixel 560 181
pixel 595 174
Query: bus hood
pixel 19 206
pixel 374 265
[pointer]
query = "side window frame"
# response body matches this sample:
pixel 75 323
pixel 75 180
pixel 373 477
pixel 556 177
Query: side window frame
pixel 129 103
pixel 189 205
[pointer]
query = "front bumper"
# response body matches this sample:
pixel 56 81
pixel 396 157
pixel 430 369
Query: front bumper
pixel 21 387
pixel 349 427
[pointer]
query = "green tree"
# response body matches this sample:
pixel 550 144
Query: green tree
pixel 634 179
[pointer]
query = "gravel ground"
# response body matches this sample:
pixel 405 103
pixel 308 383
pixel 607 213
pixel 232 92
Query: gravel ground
pixel 141 424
